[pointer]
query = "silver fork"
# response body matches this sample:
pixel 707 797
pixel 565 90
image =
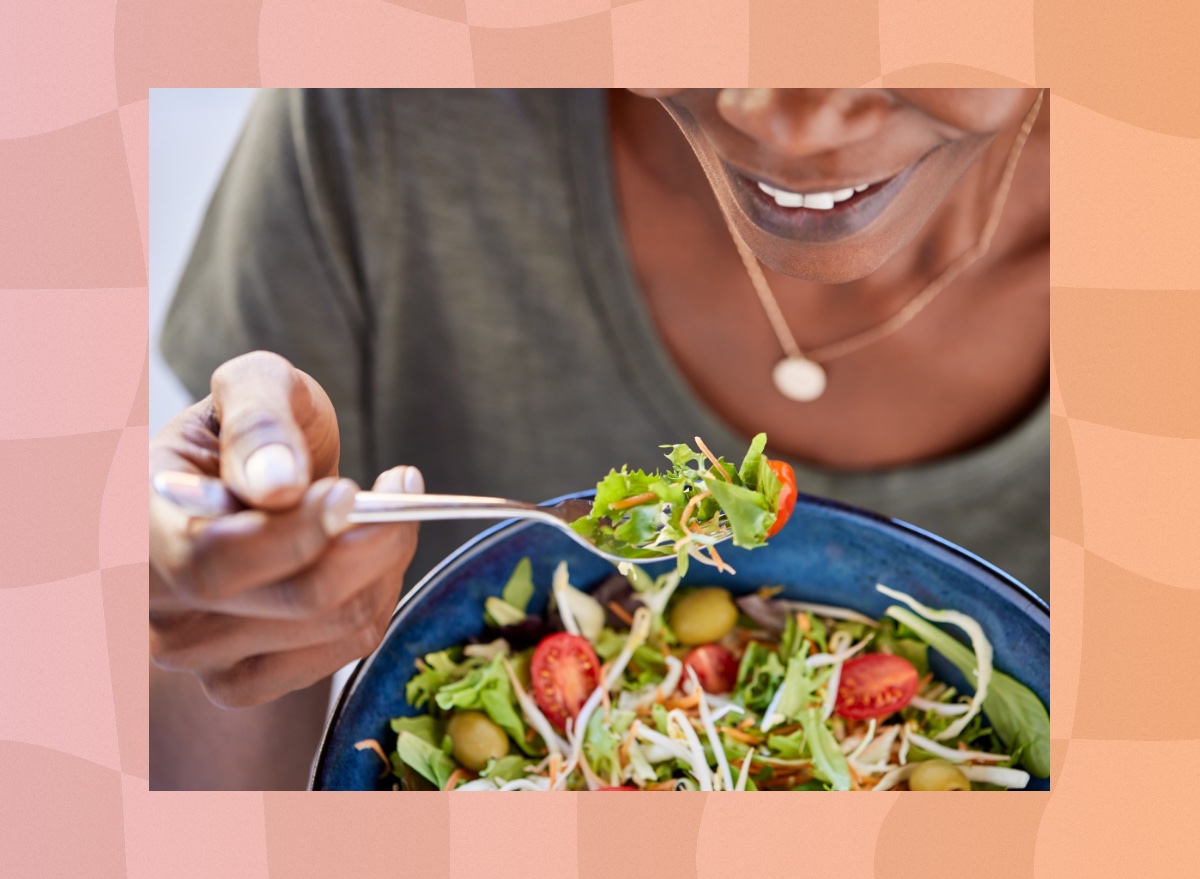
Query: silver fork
pixel 208 498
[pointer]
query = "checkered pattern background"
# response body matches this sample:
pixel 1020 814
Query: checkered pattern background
pixel 1125 385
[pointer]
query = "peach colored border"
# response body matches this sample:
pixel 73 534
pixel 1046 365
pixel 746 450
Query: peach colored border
pixel 74 76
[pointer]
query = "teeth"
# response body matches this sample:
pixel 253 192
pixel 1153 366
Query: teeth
pixel 820 201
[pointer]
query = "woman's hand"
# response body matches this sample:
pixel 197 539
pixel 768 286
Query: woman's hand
pixel 280 592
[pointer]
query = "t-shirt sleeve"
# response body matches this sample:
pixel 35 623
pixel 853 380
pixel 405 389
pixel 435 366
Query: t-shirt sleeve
pixel 276 265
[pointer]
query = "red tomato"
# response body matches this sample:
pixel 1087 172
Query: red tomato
pixel 875 685
pixel 564 671
pixel 787 494
pixel 715 667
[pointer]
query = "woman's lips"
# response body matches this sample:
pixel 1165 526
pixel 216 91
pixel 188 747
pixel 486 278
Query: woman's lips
pixel 814 217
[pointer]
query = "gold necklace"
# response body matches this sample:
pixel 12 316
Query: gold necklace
pixel 799 375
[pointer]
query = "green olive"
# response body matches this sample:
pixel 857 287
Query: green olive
pixel 938 775
pixel 476 739
pixel 704 616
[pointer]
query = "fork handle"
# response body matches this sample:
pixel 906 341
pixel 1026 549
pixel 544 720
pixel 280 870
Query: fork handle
pixel 374 506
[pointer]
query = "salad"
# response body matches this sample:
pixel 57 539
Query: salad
pixel 645 684
pixel 685 511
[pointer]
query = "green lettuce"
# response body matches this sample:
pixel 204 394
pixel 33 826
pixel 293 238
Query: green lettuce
pixel 487 689
pixel 827 757
pixel 506 769
pixel 747 495
pixel 440 669
pixel 428 761
pixel 509 609
pixel 422 726
pixel 749 514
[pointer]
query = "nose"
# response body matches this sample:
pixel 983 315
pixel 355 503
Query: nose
pixel 803 122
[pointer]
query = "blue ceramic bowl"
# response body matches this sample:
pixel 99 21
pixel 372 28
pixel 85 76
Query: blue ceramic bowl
pixel 828 553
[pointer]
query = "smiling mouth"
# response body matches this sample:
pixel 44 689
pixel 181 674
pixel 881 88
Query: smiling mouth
pixel 816 216
pixel 814 201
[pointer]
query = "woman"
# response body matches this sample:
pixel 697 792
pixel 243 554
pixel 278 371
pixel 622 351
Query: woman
pixel 514 291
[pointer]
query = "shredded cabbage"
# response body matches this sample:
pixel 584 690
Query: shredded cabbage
pixel 979 642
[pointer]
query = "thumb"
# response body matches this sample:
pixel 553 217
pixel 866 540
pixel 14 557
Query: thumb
pixel 264 455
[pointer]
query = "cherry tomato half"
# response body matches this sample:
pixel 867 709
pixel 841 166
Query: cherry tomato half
pixel 715 667
pixel 875 685
pixel 787 494
pixel 564 671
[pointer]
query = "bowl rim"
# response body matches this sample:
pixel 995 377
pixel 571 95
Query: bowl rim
pixel 494 532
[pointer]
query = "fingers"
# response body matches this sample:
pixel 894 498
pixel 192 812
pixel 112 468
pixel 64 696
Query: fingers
pixel 266 677
pixel 209 643
pixel 216 559
pixel 319 617
pixel 359 556
pixel 259 399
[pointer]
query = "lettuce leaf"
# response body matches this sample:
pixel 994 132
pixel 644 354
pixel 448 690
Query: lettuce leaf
pixel 422 726
pixel 797 689
pixel 439 670
pixel 749 471
pixel 424 758
pixel 749 515
pixel 506 769
pixel 487 689
pixel 509 608
pixel 828 759
pixel 789 747
pixel 519 588
pixel 634 509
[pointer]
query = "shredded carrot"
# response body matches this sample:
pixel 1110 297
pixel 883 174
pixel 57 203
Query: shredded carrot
pixel 804 623
pixel 636 501
pixel 747 723
pixel 748 738
pixel 708 454
pixel 623 750
pixel 529 734
pixel 456 776
pixel 374 746
pixel 669 784
pixel 683 702
pixel 720 562
pixel 692 503
pixel 621 613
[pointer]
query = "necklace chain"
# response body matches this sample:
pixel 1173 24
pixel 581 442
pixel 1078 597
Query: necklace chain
pixel 915 305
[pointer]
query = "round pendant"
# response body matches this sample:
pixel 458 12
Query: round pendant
pixel 799 379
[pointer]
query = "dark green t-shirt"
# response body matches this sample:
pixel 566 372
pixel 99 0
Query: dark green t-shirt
pixel 449 266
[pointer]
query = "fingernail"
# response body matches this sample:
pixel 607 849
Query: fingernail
pixel 414 482
pixel 339 504
pixel 198 495
pixel 271 468
pixel 391 481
